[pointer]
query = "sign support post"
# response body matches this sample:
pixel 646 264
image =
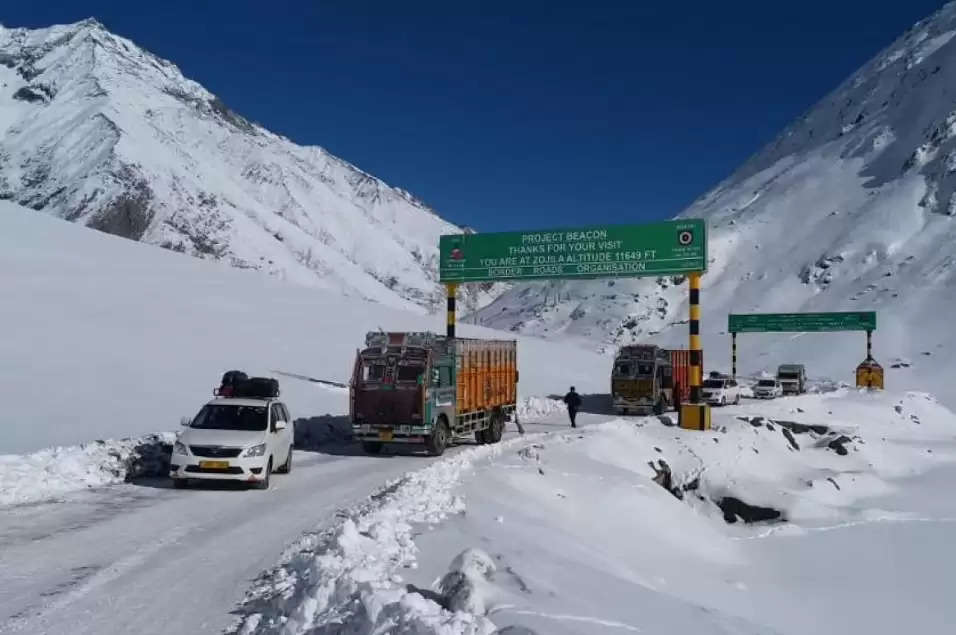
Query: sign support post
pixel 733 355
pixel 696 414
pixel 452 289
pixel 869 344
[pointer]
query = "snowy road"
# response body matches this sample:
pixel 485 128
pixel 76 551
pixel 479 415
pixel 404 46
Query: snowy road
pixel 145 558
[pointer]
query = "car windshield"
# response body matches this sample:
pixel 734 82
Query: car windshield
pixel 714 383
pixel 227 417
pixel 767 382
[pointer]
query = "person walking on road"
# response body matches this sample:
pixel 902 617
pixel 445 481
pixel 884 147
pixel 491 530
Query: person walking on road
pixel 573 401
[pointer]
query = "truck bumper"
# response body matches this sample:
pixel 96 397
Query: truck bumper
pixel 637 406
pixel 402 433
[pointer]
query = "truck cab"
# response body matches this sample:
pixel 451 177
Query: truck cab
pixel 792 378
pixel 642 380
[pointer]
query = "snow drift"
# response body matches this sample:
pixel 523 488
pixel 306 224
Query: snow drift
pixel 110 338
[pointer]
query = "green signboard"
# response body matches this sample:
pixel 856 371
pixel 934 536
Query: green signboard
pixel 801 322
pixel 613 251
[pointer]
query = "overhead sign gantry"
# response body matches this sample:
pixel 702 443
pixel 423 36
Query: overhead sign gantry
pixel 612 251
pixel 869 374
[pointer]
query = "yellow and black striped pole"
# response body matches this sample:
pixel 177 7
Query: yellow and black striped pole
pixel 696 414
pixel 696 372
pixel 452 291
pixel 733 355
pixel 869 345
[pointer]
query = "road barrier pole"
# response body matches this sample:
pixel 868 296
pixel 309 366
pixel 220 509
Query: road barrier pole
pixel 696 414
pixel 733 355
pixel 452 291
pixel 869 344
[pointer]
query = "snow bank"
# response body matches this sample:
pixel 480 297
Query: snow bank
pixel 346 579
pixel 30 478
pixel 588 536
pixel 538 407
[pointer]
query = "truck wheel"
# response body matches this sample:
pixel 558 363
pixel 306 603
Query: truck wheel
pixel 659 407
pixel 438 441
pixel 372 447
pixel 481 436
pixel 497 428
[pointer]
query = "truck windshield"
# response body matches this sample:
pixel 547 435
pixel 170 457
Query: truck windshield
pixel 623 369
pixel 644 369
pixel 222 417
pixel 714 383
pixel 373 370
pixel 788 375
pixel 767 382
pixel 410 372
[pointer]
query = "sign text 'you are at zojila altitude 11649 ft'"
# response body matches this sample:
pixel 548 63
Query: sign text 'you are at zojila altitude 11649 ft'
pixel 613 251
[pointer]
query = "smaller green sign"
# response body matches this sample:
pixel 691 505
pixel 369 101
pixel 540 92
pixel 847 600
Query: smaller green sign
pixel 801 322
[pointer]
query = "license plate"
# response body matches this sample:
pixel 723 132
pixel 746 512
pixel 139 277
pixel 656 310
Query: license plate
pixel 214 465
pixel 384 435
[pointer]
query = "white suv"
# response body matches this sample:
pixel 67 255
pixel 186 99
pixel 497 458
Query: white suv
pixel 236 439
pixel 768 389
pixel 720 391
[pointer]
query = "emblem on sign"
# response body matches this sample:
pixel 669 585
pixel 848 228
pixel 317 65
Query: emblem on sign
pixel 685 237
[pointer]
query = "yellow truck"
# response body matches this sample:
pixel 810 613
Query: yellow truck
pixel 433 390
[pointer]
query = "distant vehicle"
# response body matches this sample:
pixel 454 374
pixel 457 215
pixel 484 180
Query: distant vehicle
pixel 720 391
pixel 644 377
pixel 429 389
pixel 244 437
pixel 767 389
pixel 793 378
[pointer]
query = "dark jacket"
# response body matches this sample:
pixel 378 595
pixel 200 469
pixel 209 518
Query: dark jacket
pixel 573 400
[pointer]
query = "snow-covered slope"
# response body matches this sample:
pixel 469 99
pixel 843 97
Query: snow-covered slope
pixel 95 130
pixel 104 337
pixel 852 207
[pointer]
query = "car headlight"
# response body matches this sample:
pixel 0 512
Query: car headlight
pixel 256 450
pixel 179 448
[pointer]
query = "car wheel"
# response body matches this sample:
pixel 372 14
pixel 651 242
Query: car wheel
pixel 436 443
pixel 180 483
pixel 723 401
pixel 264 483
pixel 287 466
pixel 372 447
pixel 737 399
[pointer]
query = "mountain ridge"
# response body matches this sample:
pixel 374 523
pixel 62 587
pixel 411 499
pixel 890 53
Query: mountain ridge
pixel 99 131
pixel 850 207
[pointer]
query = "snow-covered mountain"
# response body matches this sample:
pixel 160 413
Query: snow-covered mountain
pixel 852 207
pixel 95 130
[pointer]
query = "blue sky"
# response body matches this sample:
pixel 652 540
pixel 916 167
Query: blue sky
pixel 512 115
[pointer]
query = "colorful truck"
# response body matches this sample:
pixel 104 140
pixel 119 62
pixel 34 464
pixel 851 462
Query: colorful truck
pixel 644 379
pixel 430 389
